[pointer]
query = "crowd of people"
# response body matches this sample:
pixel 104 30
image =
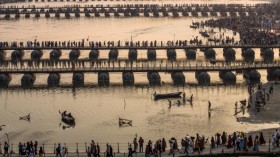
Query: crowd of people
pixel 98 44
pixel 237 141
pixel 253 29
pixel 94 150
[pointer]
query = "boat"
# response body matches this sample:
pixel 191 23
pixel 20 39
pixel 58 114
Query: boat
pixel 123 121
pixel 27 118
pixel 191 26
pixel 167 95
pixel 67 118
pixel 204 34
pixel 214 40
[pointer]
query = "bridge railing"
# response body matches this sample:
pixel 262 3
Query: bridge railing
pixel 139 68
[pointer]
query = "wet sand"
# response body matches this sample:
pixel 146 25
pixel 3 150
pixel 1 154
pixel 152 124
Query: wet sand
pixel 268 114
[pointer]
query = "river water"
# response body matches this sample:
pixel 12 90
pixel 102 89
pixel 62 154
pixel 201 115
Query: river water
pixel 97 109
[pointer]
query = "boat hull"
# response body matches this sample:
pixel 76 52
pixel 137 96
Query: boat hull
pixel 68 120
pixel 168 95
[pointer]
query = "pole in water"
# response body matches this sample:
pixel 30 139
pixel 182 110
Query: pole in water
pixel 124 104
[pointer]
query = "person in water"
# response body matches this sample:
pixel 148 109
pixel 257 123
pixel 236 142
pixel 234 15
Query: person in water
pixel 191 98
pixel 209 105
pixel 169 103
pixel 179 102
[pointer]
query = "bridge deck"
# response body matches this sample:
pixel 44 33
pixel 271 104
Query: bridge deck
pixel 167 68
pixel 139 47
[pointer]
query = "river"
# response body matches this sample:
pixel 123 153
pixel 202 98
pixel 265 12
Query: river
pixel 97 109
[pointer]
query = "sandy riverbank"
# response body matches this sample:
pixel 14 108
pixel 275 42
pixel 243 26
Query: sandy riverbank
pixel 270 113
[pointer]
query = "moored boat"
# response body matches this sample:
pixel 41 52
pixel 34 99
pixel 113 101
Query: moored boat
pixel 167 95
pixel 67 118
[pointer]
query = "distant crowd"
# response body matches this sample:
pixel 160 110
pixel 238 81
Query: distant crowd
pixel 254 30
pixel 99 44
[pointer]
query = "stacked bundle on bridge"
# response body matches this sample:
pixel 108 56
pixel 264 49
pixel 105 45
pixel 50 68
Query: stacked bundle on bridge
pixel 132 55
pixel 203 78
pixel 17 15
pixel 53 79
pixel 2 55
pixel 273 74
pixel 171 54
pixel 253 76
pixel 47 14
pixel 248 55
pixel 194 14
pixel 204 13
pixel 154 78
pixel 178 78
pixel 27 80
pixel 165 13
pixel 146 13
pixel 212 13
pixel 77 14
pixel 151 55
pixel 57 14
pixel 17 55
pixel 103 79
pixel 78 79
pixel 190 54
pixel 7 16
pixel 267 55
pixel 229 54
pixel 67 15
pixel 94 54
pixel 223 13
pixel 74 55
pixel 228 77
pixel 27 15
pixel 128 78
pixel 37 15
pixel 55 55
pixel 5 80
pixel 87 14
pixel 233 14
pixel 185 13
pixel 135 12
pixel 156 13
pixel 113 54
pixel 210 53
pixel 175 13
pixel 36 55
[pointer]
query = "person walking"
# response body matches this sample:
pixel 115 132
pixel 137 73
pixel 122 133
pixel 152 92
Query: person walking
pixel 141 142
pixel 58 150
pixel 41 152
pixel 135 145
pixel 6 149
pixel 130 151
pixel 256 143
pixel 88 152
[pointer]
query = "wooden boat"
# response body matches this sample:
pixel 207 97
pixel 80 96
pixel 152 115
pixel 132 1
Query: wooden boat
pixel 123 121
pixel 214 40
pixel 204 34
pixel 27 118
pixel 191 26
pixel 67 118
pixel 167 95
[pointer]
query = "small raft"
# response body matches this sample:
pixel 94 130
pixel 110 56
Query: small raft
pixel 123 122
